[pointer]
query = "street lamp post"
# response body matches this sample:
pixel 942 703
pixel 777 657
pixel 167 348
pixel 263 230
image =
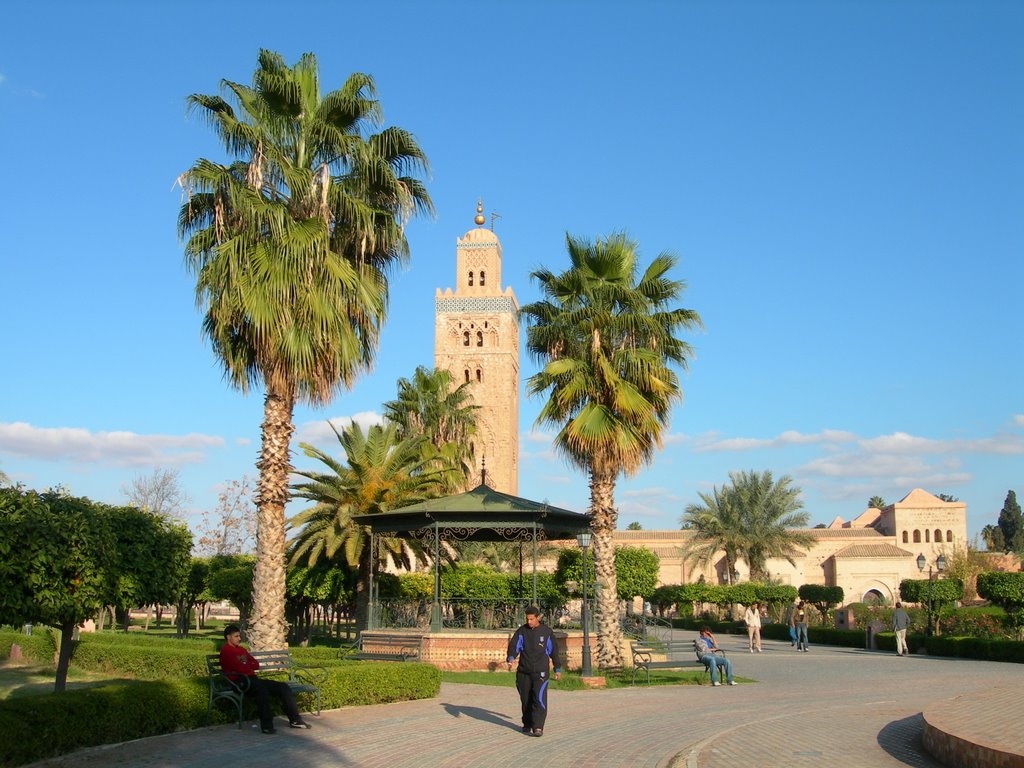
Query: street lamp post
pixel 940 566
pixel 583 539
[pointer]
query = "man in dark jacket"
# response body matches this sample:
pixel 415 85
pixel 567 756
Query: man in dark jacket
pixel 534 646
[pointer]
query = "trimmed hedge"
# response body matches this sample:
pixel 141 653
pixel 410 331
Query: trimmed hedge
pixel 36 727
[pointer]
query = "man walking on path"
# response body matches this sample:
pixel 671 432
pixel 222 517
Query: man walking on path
pixel 900 623
pixel 534 646
pixel 800 620
pixel 752 617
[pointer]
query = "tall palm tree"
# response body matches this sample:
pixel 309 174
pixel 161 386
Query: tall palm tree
pixel 769 510
pixel 606 333
pixel 381 471
pixel 877 502
pixel 717 527
pixel 292 243
pixel 431 406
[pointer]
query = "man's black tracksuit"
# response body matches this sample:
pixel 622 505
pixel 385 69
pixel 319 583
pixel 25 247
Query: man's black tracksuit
pixel 535 647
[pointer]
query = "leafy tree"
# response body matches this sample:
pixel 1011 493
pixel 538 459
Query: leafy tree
pixel 605 332
pixel 1011 523
pixel 432 406
pixel 877 502
pixel 231 579
pixel 159 493
pixel 1005 589
pixel 291 244
pixel 946 497
pixel 53 554
pixel 942 592
pixel 380 472
pixel 152 559
pixel 636 571
pixel 634 526
pixel 965 564
pixel 822 597
pixel 191 594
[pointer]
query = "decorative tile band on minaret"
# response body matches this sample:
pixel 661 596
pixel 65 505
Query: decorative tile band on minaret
pixel 476 339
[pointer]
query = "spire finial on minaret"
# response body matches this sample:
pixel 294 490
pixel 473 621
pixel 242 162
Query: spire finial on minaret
pixel 479 218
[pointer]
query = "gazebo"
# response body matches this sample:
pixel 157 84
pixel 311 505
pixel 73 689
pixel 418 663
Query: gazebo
pixel 482 514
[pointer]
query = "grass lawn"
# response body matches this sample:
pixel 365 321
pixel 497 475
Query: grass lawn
pixel 33 679
pixel 571 681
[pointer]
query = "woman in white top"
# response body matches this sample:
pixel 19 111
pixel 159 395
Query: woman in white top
pixel 753 619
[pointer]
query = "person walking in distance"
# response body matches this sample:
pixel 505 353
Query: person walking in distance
pixel 791 622
pixel 800 619
pixel 533 645
pixel 900 624
pixel 752 618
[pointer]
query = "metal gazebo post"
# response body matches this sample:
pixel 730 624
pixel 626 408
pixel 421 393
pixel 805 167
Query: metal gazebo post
pixel 435 607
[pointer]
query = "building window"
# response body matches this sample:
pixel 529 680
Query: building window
pixel 938 535
pixel 467 375
pixel 906 537
pixel 479 375
pixel 949 536
pixel 482 278
pixel 471 278
pixel 927 536
pixel 465 338
pixel 479 338
pixel 917 537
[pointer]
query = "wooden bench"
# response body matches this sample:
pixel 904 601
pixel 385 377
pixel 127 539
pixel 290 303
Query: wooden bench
pixel 301 679
pixel 385 648
pixel 666 654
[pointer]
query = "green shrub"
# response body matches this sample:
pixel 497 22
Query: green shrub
pixel 846 638
pixel 38 647
pixel 36 727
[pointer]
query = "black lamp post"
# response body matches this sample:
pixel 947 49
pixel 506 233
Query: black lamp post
pixel 940 566
pixel 583 539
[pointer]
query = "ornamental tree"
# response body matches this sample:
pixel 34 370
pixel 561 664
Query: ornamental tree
pixel 821 597
pixel 1005 589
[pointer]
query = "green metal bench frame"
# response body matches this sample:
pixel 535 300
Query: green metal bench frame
pixel 645 655
pixel 301 679
pixel 384 648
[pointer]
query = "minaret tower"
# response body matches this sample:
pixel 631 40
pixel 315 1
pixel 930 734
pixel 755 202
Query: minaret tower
pixel 476 339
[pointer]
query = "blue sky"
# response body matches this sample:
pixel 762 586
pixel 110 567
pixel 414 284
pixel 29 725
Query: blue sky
pixel 841 181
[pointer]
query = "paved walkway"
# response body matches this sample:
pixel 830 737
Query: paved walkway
pixel 828 707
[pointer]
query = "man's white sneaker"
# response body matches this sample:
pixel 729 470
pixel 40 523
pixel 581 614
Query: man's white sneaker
pixel 732 682
pixel 716 683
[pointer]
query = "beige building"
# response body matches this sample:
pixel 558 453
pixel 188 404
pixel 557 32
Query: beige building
pixel 867 556
pixel 476 339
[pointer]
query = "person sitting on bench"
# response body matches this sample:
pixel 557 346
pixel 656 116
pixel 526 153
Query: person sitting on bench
pixel 237 663
pixel 706 646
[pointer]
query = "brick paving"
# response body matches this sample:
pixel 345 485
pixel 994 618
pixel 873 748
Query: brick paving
pixel 831 706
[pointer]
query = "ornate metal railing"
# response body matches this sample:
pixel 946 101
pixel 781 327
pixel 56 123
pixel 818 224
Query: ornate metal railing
pixel 465 613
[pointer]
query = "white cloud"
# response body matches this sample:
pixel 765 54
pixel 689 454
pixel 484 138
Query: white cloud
pixel 319 432
pixel 711 442
pixel 124 449
pixel 242 441
pixel 535 436
pixel 1018 420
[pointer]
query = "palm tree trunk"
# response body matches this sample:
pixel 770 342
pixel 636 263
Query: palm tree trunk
pixel 603 517
pixel 268 627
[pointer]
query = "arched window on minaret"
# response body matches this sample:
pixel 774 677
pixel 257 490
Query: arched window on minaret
pixel 467 375
pixel 479 338
pixel 482 278
pixel 465 338
pixel 479 375
pixel 471 279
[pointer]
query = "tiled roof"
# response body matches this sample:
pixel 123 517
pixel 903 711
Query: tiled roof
pixel 873 550
pixel 844 533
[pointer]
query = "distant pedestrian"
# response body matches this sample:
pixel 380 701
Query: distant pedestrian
pixel 534 646
pixel 800 619
pixel 791 622
pixel 752 618
pixel 900 624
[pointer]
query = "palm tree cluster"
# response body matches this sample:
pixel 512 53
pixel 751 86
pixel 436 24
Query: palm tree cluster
pixel 751 519
pixel 291 243
pixel 606 334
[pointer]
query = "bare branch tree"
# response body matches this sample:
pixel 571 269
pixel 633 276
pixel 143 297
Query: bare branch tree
pixel 159 494
pixel 230 528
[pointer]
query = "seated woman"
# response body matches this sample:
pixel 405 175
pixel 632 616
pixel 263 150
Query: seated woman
pixel 707 651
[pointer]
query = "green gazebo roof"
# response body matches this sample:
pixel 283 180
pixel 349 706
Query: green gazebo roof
pixel 482 514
